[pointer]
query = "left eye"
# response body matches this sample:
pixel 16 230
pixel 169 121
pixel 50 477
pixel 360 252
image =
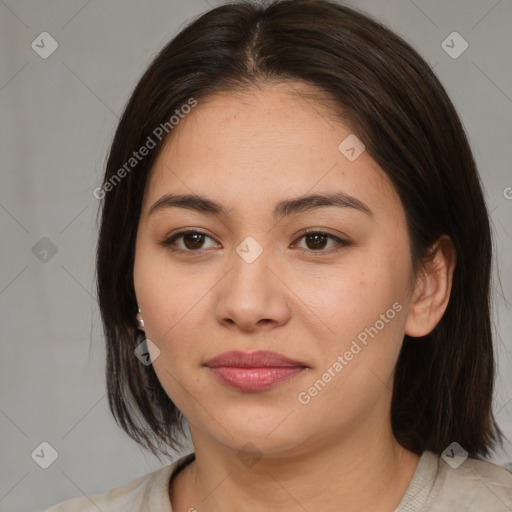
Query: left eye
pixel 316 240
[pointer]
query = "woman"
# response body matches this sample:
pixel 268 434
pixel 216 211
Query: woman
pixel 294 257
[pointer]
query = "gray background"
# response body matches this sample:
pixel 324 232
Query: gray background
pixel 57 118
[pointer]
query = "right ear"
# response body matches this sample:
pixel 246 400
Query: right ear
pixel 140 321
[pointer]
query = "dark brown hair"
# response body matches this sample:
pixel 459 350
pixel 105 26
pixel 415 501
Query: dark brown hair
pixel 394 103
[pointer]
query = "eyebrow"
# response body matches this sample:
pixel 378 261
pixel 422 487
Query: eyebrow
pixel 284 208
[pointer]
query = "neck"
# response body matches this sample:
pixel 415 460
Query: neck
pixel 365 471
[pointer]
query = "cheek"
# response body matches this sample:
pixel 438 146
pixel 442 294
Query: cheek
pixel 364 306
pixel 354 372
pixel 168 293
pixel 349 297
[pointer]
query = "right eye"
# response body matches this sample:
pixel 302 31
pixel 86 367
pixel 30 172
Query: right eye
pixel 192 241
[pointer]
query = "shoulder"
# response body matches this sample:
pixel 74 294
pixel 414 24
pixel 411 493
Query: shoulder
pixel 475 485
pixel 146 493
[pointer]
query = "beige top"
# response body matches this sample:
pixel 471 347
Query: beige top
pixel 474 486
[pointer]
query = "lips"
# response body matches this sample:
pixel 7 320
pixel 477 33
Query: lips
pixel 255 371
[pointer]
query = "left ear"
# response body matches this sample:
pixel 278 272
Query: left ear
pixel 432 290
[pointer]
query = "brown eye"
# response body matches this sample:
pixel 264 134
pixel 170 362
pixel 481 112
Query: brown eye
pixel 192 241
pixel 316 241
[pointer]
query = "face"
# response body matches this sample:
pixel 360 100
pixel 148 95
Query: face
pixel 246 278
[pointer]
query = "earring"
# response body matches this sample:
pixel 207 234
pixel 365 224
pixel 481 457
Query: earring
pixel 140 320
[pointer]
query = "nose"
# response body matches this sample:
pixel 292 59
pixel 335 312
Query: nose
pixel 252 296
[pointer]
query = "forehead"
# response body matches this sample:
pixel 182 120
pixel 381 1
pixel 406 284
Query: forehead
pixel 269 142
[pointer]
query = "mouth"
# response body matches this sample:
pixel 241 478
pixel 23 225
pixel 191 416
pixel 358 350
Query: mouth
pixel 256 371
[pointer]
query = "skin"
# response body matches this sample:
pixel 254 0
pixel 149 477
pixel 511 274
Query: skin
pixel 337 452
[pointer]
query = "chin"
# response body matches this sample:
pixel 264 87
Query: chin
pixel 268 434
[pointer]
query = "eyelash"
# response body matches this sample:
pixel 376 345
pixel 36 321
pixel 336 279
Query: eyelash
pixel 167 243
